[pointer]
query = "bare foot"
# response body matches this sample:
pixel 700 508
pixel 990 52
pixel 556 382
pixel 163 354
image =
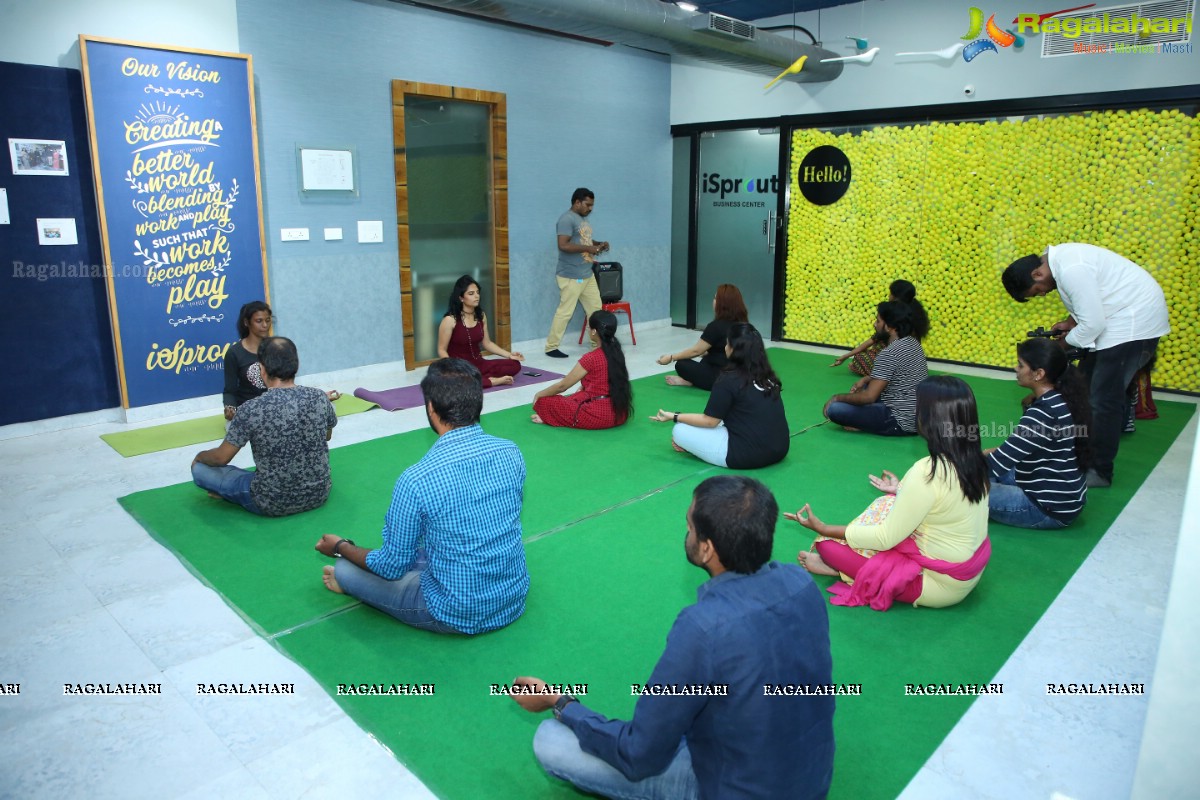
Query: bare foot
pixel 537 420
pixel 330 582
pixel 215 496
pixel 675 380
pixel 852 430
pixel 809 559
pixel 678 449
pixel 505 380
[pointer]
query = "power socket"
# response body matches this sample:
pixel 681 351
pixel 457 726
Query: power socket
pixel 293 234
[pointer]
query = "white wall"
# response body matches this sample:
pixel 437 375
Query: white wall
pixel 705 93
pixel 322 72
pixel 1167 766
pixel 46 32
pixel 578 115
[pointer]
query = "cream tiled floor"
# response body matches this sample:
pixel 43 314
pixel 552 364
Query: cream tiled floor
pixel 89 597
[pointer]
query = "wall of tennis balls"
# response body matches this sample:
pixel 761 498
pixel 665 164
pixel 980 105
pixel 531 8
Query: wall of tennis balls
pixel 949 205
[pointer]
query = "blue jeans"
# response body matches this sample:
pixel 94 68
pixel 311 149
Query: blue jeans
pixel 230 482
pixel 1109 373
pixel 557 750
pixel 1008 504
pixel 401 598
pixel 873 418
pixel 706 444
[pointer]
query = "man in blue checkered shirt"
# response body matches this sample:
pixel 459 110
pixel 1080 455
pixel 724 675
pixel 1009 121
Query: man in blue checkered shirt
pixel 452 559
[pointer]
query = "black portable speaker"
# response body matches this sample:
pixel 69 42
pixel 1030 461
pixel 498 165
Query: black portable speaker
pixel 608 280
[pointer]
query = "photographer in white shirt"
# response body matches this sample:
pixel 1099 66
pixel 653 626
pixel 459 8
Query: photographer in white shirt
pixel 1117 313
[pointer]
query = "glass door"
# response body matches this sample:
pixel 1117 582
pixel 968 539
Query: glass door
pixel 737 220
pixel 452 207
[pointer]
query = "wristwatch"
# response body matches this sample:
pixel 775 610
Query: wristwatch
pixel 562 702
pixel 676 416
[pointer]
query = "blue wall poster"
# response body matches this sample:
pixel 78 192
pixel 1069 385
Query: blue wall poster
pixel 175 155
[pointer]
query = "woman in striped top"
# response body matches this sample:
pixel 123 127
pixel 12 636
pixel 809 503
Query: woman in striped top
pixel 1038 473
pixel 885 402
pixel 862 358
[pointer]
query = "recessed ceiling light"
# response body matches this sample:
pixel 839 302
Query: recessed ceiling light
pixel 688 6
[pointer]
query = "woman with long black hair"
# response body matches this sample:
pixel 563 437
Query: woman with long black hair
pixel 1038 473
pixel 605 398
pixel 463 333
pixel 744 425
pixel 925 540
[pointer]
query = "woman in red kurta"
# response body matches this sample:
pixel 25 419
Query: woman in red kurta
pixel 463 334
pixel 604 399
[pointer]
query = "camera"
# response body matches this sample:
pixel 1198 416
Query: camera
pixel 1073 353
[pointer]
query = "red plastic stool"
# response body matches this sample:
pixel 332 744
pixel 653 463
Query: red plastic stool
pixel 614 308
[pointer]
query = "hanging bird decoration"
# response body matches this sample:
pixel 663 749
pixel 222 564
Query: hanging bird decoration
pixel 796 66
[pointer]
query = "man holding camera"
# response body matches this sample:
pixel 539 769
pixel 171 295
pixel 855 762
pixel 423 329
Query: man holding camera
pixel 576 283
pixel 1117 313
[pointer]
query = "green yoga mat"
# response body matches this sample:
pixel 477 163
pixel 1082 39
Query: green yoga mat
pixel 604 524
pixel 198 431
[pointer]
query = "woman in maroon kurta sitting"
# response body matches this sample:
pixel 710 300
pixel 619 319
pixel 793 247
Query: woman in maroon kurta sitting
pixel 605 399
pixel 463 333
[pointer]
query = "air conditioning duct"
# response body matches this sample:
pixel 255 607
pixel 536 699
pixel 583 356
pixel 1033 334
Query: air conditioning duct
pixel 655 26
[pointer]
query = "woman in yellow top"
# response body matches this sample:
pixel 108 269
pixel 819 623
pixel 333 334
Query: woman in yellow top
pixel 925 541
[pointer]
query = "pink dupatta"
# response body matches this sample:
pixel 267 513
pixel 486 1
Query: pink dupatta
pixel 887 573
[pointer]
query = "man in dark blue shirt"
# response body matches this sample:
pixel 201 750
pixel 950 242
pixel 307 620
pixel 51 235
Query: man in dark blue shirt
pixel 739 705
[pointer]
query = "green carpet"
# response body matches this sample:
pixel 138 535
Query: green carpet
pixel 170 435
pixel 604 524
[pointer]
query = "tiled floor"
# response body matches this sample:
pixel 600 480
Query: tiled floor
pixel 89 597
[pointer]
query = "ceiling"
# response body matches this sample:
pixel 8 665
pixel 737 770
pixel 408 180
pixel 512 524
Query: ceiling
pixel 750 10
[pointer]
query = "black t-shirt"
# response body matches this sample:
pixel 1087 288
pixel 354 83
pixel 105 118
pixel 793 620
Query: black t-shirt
pixel 716 333
pixel 243 375
pixel 757 425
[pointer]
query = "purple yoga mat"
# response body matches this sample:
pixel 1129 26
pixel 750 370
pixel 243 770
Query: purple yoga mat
pixel 411 397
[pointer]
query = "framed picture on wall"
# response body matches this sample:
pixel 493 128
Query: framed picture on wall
pixel 327 171
pixel 38 157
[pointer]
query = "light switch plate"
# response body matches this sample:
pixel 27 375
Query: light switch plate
pixel 333 234
pixel 293 234
pixel 370 231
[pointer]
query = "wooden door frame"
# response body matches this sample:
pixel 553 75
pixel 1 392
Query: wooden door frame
pixel 500 328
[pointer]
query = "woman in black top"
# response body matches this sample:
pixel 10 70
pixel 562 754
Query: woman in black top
pixel 728 308
pixel 243 377
pixel 744 425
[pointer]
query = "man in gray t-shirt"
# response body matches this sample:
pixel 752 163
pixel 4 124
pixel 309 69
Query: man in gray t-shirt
pixel 576 283
pixel 288 429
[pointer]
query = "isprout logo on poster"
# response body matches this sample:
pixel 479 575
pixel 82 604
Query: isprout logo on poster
pixel 824 175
